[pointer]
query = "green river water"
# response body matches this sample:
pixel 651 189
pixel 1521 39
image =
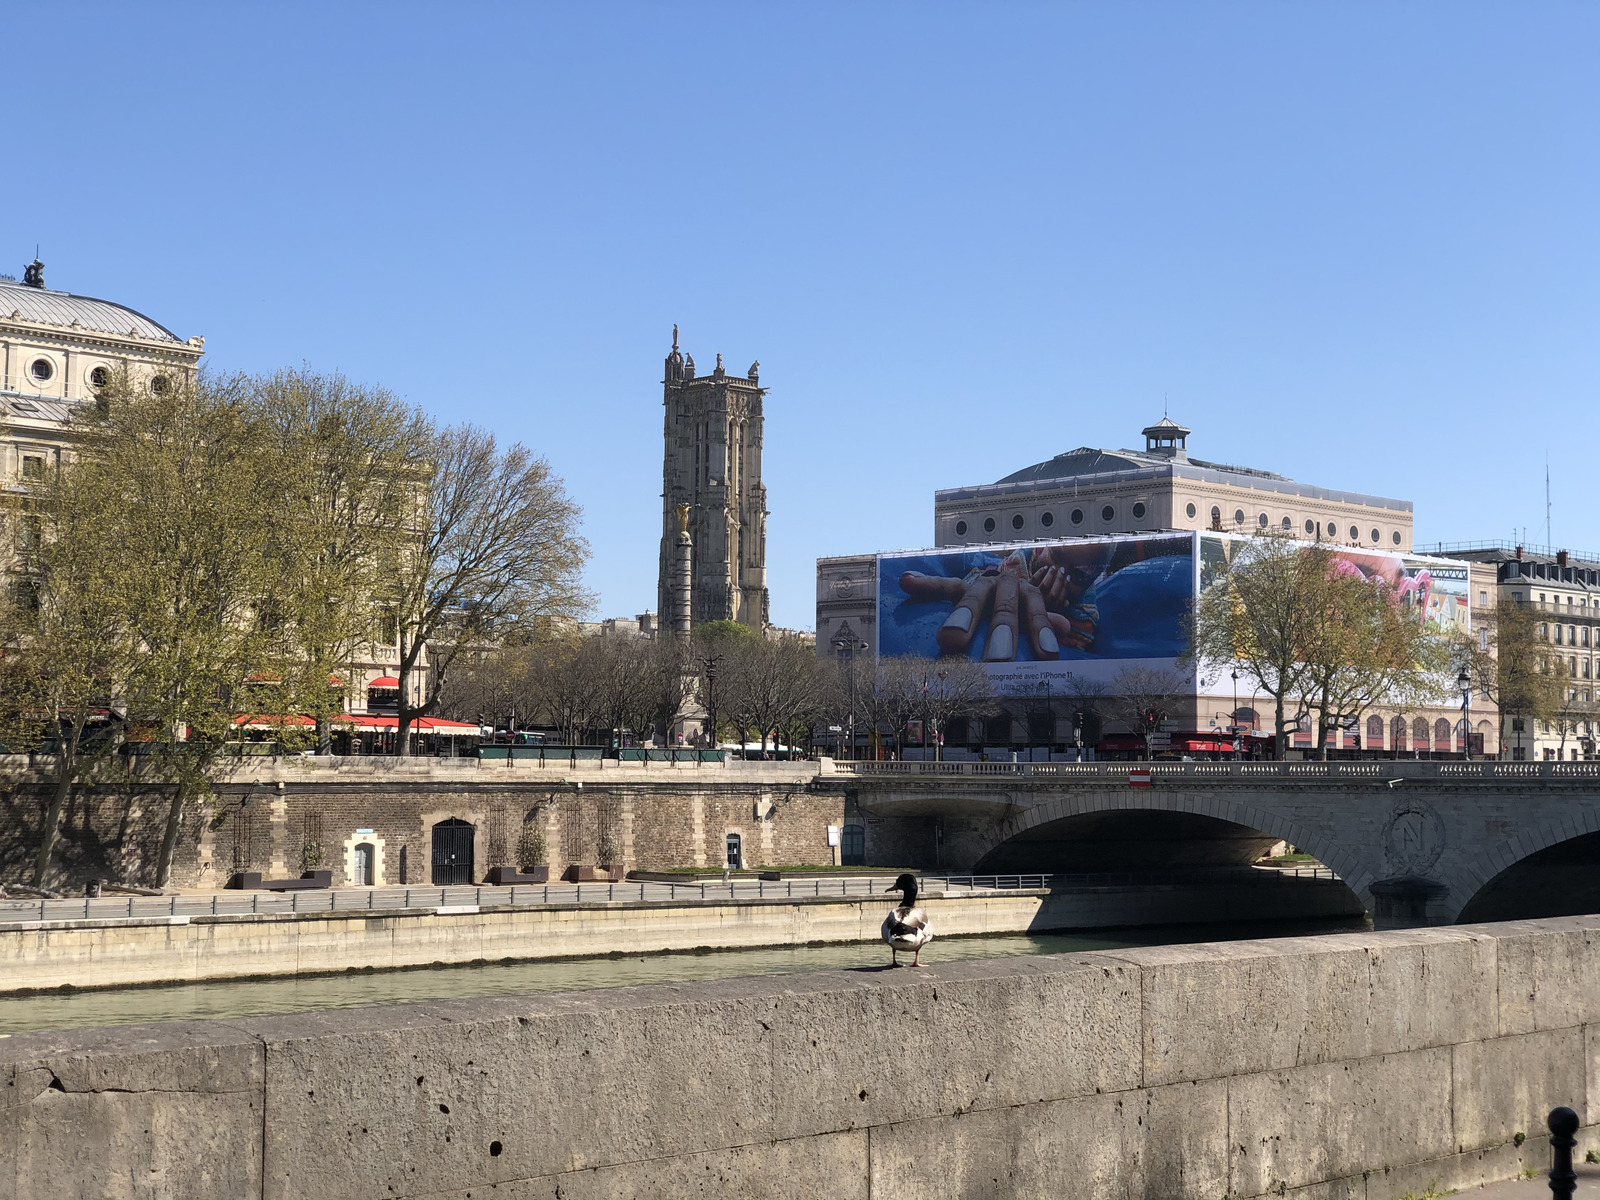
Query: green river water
pixel 238 998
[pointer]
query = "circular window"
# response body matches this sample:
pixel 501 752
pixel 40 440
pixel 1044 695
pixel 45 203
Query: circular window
pixel 1286 524
pixel 1311 526
pixel 1047 519
pixel 1355 534
pixel 1238 516
pixel 1395 537
pixel 1016 521
pixel 160 385
pixel 1376 535
pixel 1262 520
pixel 1138 512
pixel 1333 529
pixel 1076 516
pixel 1216 515
pixel 988 524
pixel 961 529
pixel 99 377
pixel 1190 510
pixel 1108 513
pixel 41 369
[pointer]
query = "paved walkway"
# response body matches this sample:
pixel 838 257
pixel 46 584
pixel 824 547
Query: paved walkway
pixel 1538 1189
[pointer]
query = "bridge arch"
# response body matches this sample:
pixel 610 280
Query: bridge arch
pixel 1075 805
pixel 1549 868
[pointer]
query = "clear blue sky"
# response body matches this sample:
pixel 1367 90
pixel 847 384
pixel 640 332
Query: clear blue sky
pixel 1354 243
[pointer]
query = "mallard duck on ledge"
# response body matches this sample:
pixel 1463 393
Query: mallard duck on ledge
pixel 906 927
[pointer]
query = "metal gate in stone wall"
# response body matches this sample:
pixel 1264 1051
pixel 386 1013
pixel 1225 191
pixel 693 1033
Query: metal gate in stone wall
pixel 452 852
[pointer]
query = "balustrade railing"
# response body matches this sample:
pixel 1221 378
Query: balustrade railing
pixel 1117 771
pixel 183 907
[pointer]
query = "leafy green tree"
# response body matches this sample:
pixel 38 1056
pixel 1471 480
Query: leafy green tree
pixel 350 460
pixel 1264 618
pixel 66 651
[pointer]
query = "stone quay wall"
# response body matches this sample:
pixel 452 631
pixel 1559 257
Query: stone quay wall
pixel 277 816
pixel 1351 1066
pixel 119 952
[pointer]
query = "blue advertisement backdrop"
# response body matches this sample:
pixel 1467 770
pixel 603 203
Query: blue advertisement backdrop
pixel 1058 607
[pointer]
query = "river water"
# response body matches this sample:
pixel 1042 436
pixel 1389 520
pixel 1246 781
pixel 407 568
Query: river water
pixel 124 1006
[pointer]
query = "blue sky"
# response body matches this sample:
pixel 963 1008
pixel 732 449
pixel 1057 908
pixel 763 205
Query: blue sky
pixel 1354 243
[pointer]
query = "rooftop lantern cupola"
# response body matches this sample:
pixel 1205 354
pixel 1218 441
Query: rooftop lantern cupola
pixel 1168 439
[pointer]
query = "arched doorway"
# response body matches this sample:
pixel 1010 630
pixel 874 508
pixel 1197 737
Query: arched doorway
pixel 452 852
pixel 735 852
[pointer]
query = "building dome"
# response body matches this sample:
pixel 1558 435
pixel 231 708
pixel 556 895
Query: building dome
pixel 25 302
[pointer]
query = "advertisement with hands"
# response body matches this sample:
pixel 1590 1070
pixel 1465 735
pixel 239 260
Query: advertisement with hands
pixel 1088 607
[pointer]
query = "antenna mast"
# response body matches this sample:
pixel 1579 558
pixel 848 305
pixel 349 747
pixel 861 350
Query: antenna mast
pixel 1547 538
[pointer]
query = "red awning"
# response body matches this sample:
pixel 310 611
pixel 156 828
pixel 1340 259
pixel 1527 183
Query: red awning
pixel 384 681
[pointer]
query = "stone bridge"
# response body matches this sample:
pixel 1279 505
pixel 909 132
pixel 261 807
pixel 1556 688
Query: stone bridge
pixel 1417 842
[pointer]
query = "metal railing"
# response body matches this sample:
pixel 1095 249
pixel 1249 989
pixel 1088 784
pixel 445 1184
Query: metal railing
pixel 467 899
pixel 1373 770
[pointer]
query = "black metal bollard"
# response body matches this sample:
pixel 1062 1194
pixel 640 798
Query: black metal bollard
pixel 1563 1123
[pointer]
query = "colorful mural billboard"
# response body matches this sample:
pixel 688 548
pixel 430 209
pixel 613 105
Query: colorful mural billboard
pixel 1088 607
pixel 1435 590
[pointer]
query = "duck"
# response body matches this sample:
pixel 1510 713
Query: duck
pixel 906 927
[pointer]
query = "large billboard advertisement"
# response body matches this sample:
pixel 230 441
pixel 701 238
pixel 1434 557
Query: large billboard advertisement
pixel 1091 607
pixel 1434 591
pixel 1029 613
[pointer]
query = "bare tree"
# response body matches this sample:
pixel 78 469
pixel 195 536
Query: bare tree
pixel 1142 698
pixel 933 690
pixel 495 542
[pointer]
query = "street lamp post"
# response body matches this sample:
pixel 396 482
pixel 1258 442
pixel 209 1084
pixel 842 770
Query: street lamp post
pixel 1464 682
pixel 711 700
pixel 847 647
pixel 1233 722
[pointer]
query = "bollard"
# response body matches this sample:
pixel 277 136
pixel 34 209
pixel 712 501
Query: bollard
pixel 1563 1123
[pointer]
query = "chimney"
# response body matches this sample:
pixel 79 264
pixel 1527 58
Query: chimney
pixel 1561 558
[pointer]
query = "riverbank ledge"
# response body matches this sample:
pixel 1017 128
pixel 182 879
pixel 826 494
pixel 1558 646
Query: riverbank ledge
pixel 143 950
pixel 1355 1065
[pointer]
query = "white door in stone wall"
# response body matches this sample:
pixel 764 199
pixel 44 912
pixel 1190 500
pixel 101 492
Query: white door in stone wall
pixel 363 865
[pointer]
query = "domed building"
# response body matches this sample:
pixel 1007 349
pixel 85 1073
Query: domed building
pixel 58 350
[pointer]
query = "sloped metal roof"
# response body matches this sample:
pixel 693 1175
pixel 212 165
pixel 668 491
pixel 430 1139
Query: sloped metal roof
pixel 34 408
pixel 63 309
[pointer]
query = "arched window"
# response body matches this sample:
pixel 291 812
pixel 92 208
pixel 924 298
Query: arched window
pixel 1419 735
pixel 1374 733
pixel 1286 525
pixel 1216 516
pixel 1441 735
pixel 853 846
pixel 1397 734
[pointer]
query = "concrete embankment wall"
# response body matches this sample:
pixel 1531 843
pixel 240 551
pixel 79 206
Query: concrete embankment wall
pixel 112 953
pixel 1353 1066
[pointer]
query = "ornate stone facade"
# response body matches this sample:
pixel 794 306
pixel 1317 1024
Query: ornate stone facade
pixel 712 467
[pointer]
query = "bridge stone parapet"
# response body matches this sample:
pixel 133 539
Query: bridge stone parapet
pixel 1416 841
pixel 1363 1066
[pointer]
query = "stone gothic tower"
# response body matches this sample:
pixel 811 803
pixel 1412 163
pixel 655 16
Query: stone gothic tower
pixel 712 466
